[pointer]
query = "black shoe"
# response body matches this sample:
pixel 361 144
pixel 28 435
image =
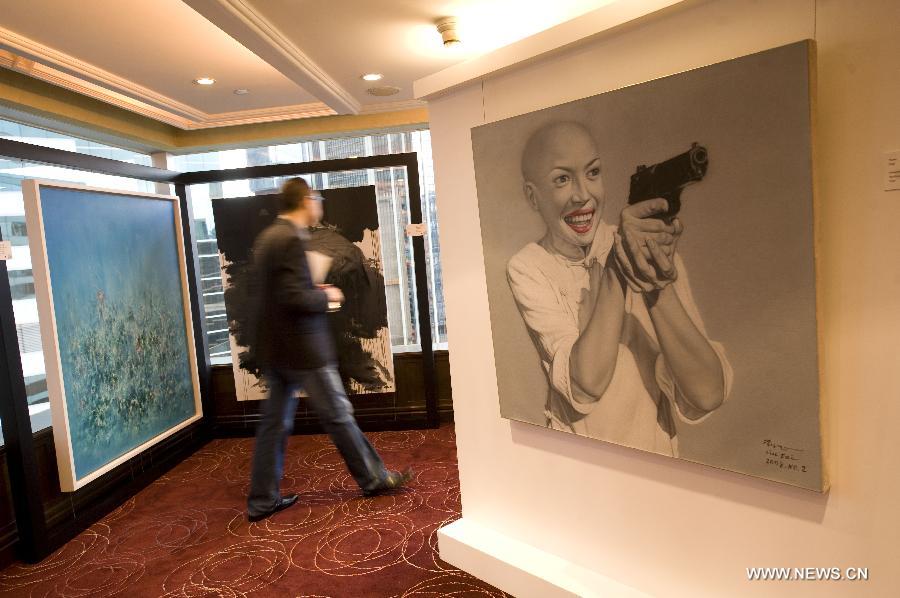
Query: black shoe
pixel 392 481
pixel 283 503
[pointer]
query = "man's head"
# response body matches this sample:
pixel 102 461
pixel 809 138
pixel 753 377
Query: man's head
pixel 561 169
pixel 298 202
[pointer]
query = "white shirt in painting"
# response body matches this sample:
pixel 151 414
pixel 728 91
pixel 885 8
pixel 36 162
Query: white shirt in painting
pixel 637 408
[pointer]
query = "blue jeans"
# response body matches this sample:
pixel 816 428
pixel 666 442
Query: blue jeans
pixel 327 398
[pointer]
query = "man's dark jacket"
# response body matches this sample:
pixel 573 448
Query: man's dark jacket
pixel 291 329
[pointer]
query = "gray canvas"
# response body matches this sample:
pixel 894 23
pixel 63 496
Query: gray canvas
pixel 747 243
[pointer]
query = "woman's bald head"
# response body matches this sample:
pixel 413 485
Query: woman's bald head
pixel 549 141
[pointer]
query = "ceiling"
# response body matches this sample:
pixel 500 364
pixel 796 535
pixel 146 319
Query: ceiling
pixel 296 58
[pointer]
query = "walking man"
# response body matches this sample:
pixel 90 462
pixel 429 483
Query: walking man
pixel 294 348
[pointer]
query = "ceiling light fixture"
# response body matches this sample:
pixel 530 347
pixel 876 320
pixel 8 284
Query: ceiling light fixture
pixel 384 90
pixel 204 81
pixel 241 92
pixel 446 26
pixel 372 77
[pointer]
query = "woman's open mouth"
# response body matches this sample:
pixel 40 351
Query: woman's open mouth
pixel 581 220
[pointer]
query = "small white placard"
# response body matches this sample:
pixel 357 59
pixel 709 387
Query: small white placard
pixel 415 230
pixel 892 171
pixel 5 250
pixel 319 265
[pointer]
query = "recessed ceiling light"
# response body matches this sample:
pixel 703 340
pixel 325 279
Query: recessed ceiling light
pixel 384 90
pixel 241 92
pixel 204 81
pixel 372 77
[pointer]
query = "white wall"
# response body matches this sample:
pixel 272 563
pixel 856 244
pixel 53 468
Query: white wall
pixel 671 528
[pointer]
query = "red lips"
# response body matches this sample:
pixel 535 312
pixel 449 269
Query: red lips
pixel 581 220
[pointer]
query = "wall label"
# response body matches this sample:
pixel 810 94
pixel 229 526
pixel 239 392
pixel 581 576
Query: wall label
pixel 892 171
pixel 415 230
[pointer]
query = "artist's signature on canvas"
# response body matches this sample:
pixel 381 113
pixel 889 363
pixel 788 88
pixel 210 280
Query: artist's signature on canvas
pixel 784 457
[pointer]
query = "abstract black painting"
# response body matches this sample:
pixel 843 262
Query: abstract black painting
pixel 349 235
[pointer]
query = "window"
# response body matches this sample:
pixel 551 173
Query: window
pixel 35 136
pixel 393 206
pixel 13 228
pixel 21 284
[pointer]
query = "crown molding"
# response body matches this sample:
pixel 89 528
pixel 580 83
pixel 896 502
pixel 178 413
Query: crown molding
pixel 56 77
pixel 65 64
pixel 29 58
pixel 26 56
pixel 264 115
pixel 257 34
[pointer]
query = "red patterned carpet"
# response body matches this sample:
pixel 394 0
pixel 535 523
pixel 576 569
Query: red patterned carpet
pixel 186 535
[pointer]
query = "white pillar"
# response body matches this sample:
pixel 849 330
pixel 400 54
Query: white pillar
pixel 161 160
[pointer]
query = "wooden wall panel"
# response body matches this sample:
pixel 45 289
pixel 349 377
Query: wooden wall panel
pixel 400 410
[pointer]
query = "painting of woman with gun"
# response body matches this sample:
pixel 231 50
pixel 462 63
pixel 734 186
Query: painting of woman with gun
pixel 653 246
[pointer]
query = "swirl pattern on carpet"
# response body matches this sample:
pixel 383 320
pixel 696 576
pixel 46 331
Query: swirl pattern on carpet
pixel 186 535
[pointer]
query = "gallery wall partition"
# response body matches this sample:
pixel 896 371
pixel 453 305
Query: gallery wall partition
pixel 601 515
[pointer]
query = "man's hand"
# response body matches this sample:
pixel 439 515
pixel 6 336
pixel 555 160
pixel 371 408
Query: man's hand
pixel 333 293
pixel 645 246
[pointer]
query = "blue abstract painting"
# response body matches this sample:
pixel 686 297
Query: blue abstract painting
pixel 115 275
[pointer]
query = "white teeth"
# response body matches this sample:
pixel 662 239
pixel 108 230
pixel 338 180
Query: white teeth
pixel 580 219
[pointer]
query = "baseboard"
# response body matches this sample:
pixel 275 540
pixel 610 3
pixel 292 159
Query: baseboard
pixel 521 569
pixel 231 426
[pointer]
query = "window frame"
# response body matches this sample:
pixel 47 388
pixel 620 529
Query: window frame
pixel 407 160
